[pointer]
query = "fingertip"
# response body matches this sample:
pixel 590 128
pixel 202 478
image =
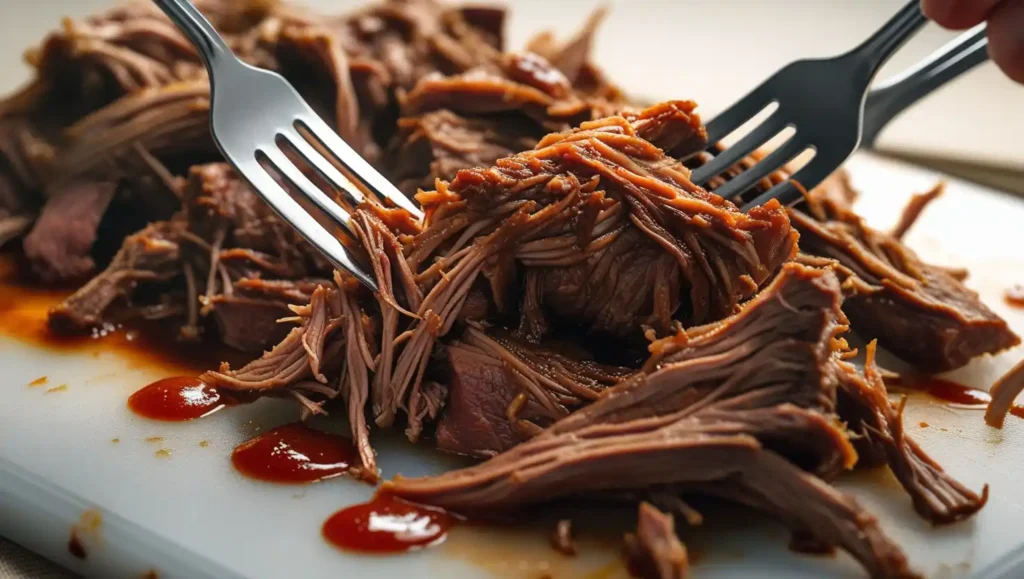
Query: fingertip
pixel 957 14
pixel 1006 38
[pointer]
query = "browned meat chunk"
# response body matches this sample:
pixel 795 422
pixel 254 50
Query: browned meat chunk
pixel 503 390
pixel 917 311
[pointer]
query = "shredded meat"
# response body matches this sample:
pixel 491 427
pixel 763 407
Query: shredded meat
pixel 572 308
pixel 719 411
pixel 919 312
pixel 1004 391
pixel 654 551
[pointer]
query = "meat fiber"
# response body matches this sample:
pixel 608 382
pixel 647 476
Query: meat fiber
pixel 502 390
pixel 225 256
pixel 654 551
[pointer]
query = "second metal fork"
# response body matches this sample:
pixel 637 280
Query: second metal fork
pixel 823 100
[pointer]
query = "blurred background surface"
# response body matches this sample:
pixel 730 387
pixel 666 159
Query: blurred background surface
pixel 710 51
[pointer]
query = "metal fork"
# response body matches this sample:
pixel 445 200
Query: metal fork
pixel 822 99
pixel 253 112
pixel 887 100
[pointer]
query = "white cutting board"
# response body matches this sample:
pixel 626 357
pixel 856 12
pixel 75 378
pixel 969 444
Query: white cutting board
pixel 190 515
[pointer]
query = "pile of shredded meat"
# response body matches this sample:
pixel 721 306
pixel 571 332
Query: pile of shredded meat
pixel 572 310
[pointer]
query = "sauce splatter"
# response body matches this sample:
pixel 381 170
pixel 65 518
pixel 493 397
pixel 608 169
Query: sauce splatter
pixel 163 453
pixel 956 394
pixel 294 453
pixel 38 381
pixel 55 389
pixel 115 440
pixel 1015 296
pixel 204 443
pixel 923 424
pixel 154 439
pixel 387 525
pixel 177 399
pixel 88 525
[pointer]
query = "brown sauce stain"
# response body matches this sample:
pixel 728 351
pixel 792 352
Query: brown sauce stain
pixel 55 389
pixel 88 525
pixel 204 443
pixel 154 439
pixel 923 424
pixel 387 525
pixel 115 440
pixel 294 454
pixel 521 549
pixel 24 307
pixel 163 453
pixel 1015 296
pixel 150 574
pixel 38 381
pixel 75 546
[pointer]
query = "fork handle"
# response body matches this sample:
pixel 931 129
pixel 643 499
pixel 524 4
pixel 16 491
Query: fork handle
pixel 210 45
pixel 892 97
pixel 873 52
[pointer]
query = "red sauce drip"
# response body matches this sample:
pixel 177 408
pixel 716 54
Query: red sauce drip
pixel 177 399
pixel 294 453
pixel 387 524
pixel 956 393
pixel 1015 296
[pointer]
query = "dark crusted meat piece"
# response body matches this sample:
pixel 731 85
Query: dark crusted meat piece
pixel 654 551
pixel 717 413
pixel 224 255
pixel 151 255
pixel 917 311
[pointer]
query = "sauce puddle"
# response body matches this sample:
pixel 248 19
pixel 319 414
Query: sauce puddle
pixel 295 454
pixel 177 399
pixel 1015 296
pixel 24 316
pixel 387 525
pixel 956 395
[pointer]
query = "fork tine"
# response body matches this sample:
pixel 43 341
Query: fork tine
pixel 732 118
pixel 356 165
pixel 762 169
pixel 292 173
pixel 788 192
pixel 732 155
pixel 340 182
pixel 289 210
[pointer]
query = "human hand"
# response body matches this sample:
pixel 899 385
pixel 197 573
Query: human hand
pixel 1005 27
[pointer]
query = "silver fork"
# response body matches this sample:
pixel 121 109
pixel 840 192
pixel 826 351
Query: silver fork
pixel 822 99
pixel 253 110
